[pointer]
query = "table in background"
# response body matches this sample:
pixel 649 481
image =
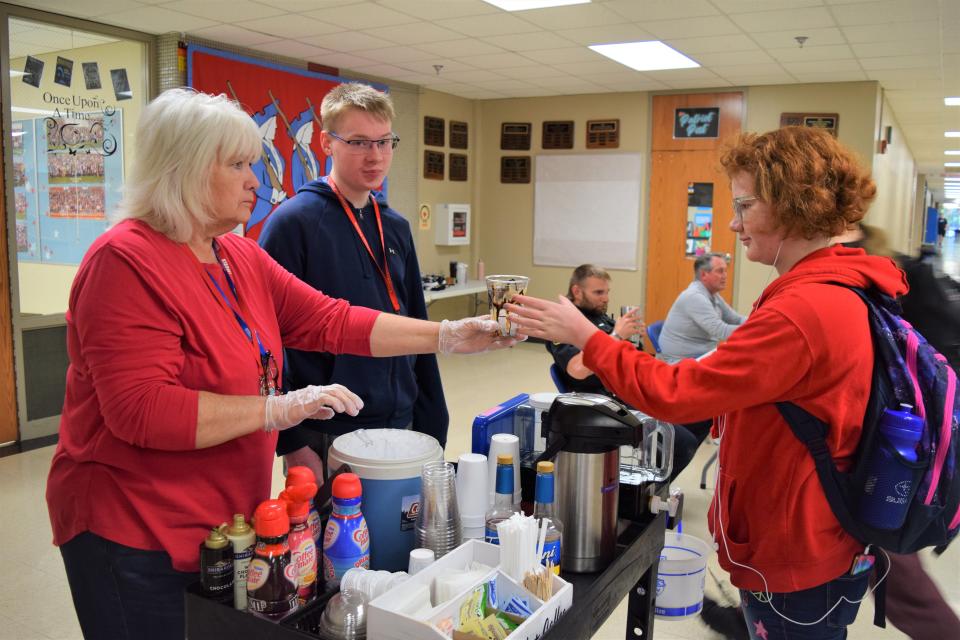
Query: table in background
pixel 470 288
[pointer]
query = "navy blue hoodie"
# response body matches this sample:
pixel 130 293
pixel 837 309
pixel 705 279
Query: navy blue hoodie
pixel 311 236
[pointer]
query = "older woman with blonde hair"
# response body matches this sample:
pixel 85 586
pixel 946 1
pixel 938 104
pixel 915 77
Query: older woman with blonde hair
pixel 175 332
pixel 808 342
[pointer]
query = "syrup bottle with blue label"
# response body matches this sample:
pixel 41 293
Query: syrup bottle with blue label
pixel 346 540
pixel 503 506
pixel 543 507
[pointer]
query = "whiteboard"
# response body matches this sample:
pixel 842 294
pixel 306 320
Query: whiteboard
pixel 587 210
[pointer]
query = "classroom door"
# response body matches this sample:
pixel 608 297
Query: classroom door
pixel 690 199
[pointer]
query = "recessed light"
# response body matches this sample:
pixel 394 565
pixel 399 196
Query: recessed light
pixel 952 152
pixel 951 164
pixel 951 134
pixel 524 5
pixel 953 101
pixel 652 55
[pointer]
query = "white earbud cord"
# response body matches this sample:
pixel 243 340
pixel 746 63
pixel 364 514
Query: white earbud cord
pixel 767 596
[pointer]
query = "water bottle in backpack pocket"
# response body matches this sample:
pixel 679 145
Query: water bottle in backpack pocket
pixel 894 470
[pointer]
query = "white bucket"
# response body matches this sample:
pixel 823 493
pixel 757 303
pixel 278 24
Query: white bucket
pixel 682 574
pixel 388 462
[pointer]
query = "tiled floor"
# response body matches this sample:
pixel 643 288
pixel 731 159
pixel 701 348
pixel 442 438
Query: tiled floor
pixel 35 601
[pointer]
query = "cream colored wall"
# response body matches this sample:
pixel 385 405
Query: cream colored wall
pixel 895 174
pixel 436 258
pixel 857 104
pixel 505 211
pixel 45 288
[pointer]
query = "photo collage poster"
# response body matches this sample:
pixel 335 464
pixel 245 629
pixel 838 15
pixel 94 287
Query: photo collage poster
pixel 68 172
pixel 699 218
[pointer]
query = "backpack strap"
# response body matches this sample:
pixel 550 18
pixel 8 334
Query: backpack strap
pixel 812 431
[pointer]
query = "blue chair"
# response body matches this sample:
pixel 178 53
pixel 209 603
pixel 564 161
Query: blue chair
pixel 557 378
pixel 653 332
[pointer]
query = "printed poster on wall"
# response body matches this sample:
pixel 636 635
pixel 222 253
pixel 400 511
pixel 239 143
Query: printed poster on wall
pixel 284 102
pixel 68 172
pixel 699 218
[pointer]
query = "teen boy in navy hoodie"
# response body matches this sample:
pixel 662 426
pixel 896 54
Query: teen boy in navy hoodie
pixel 342 238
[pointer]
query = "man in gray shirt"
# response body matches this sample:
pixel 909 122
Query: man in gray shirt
pixel 699 318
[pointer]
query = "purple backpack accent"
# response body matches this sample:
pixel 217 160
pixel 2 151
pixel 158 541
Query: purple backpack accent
pixel 906 370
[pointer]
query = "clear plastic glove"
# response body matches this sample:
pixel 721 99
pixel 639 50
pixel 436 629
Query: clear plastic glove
pixel 473 335
pixel 314 402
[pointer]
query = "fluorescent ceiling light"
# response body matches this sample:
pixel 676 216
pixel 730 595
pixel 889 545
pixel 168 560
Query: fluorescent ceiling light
pixel 952 102
pixel 951 134
pixel 954 152
pixel 523 5
pixel 17 74
pixel 951 164
pixel 647 56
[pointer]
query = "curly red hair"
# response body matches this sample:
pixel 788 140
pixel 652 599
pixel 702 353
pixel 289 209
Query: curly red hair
pixel 816 186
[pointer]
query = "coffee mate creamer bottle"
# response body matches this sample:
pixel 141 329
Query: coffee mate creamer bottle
pixel 271 576
pixel 304 475
pixel 346 541
pixel 303 550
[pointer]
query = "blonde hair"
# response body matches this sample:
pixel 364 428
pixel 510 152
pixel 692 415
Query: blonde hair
pixel 181 135
pixel 354 95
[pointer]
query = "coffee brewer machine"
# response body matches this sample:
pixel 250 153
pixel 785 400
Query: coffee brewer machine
pixel 585 432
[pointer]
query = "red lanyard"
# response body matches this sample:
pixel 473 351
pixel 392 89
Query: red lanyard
pixel 268 378
pixel 385 269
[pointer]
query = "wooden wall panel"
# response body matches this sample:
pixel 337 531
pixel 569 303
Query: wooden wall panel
pixel 674 164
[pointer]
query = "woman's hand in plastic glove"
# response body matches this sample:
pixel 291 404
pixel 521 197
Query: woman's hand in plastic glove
pixel 314 402
pixel 473 335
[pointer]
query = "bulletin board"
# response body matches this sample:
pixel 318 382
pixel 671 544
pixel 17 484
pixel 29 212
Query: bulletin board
pixel 587 209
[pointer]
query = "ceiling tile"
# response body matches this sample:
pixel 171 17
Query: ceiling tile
pixel 530 91
pixel 752 80
pixel 607 34
pixel 727 58
pixel 901 62
pixel 498 61
pixel 812 54
pixel 472 75
pixel 561 56
pixel 433 10
pixel 426 67
pixel 528 41
pixel 709 44
pixel 885 12
pixel 363 15
pixel 815 66
pixel 805 18
pixel 532 71
pixel 851 75
pixel 634 84
pixel 892 31
pixel 285 27
pixel 223 10
pixel 587 15
pixel 744 70
pixel 590 68
pixel 561 84
pixel 397 54
pixel 488 25
pixel 346 41
pixel 748 6
pixel 386 71
pixel 907 79
pixel 233 34
pixel 787 39
pixel 460 48
pixel 155 20
pixel 293 49
pixel 896 48
pixel 692 28
pixel 341 60
pixel 296 6
pixel 661 9
pixel 414 34
pixel 504 85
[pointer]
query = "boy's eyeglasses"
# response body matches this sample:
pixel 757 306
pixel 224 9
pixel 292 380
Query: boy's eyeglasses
pixel 384 145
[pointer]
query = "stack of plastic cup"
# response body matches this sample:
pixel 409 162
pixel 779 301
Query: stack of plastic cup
pixel 472 493
pixel 438 523
pixel 420 559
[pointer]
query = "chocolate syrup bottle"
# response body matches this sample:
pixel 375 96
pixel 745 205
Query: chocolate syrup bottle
pixel 271 576
pixel 216 566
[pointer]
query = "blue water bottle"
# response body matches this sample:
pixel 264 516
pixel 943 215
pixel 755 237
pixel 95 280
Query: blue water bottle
pixel 889 485
pixel 346 540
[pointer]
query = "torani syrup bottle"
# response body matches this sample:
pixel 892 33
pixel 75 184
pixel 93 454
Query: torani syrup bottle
pixel 216 566
pixel 303 550
pixel 272 577
pixel 346 541
pixel 303 475
pixel 543 507
pixel 503 500
pixel 243 540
